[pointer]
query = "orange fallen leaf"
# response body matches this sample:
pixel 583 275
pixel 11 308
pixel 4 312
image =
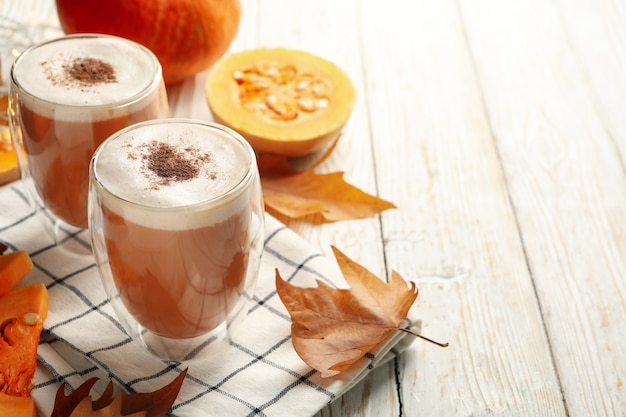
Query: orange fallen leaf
pixel 328 195
pixel 65 404
pixel 333 328
pixel 114 409
pixel 149 404
pixel 301 194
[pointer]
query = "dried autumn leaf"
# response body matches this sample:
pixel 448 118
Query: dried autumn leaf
pixel 300 194
pixel 328 195
pixel 150 404
pixel 156 403
pixel 333 328
pixel 65 404
pixel 114 409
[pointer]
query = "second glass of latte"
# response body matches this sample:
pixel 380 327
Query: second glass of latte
pixel 66 96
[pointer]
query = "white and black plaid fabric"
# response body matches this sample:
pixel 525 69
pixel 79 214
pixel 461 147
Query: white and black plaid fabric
pixel 257 374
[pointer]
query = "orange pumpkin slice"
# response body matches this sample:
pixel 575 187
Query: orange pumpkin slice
pixel 8 160
pixel 22 312
pixel 18 345
pixel 283 101
pixel 22 300
pixel 17 406
pixel 14 266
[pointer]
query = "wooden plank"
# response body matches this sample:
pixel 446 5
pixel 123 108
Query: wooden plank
pixel 454 232
pixel 596 31
pixel 479 120
pixel 284 23
pixel 566 182
pixel 329 29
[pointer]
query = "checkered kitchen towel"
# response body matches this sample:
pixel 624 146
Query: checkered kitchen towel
pixel 257 374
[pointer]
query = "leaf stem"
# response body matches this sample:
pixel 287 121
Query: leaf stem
pixel 409 331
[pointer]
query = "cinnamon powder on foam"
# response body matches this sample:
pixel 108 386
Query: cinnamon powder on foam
pixel 82 72
pixel 163 164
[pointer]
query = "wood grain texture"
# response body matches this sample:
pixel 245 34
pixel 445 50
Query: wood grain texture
pixel 455 232
pixel 486 133
pixel 498 130
pixel 566 182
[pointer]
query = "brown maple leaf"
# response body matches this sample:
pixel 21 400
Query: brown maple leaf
pixel 300 194
pixel 141 404
pixel 114 409
pixel 333 328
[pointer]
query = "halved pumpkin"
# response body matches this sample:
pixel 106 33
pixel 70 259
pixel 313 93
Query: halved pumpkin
pixel 283 101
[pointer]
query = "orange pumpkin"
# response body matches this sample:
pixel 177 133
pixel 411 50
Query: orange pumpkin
pixel 187 36
pixel 22 312
pixel 283 101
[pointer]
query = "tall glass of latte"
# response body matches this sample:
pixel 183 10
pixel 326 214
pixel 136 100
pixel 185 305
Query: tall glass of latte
pixel 66 96
pixel 176 222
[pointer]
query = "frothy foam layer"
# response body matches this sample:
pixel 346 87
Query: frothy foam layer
pixel 63 71
pixel 173 165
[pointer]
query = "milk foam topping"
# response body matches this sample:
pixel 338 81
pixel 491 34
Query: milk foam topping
pixel 173 165
pixel 56 71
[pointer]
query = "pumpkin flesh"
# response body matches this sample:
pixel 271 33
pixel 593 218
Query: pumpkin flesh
pixel 17 406
pixel 18 349
pixel 22 300
pixel 13 267
pixel 8 160
pixel 22 312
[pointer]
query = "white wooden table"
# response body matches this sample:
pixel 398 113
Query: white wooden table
pixel 498 128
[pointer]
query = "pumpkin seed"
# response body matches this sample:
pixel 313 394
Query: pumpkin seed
pixel 280 92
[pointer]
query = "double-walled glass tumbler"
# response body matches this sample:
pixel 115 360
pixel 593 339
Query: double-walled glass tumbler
pixel 66 96
pixel 176 220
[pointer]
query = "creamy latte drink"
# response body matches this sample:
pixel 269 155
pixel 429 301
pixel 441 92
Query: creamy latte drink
pixel 67 96
pixel 176 221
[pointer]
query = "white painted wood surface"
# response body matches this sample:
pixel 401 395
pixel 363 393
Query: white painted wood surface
pixel 498 129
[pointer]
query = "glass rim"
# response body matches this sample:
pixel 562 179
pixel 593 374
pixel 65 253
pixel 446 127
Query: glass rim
pixel 156 77
pixel 234 191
